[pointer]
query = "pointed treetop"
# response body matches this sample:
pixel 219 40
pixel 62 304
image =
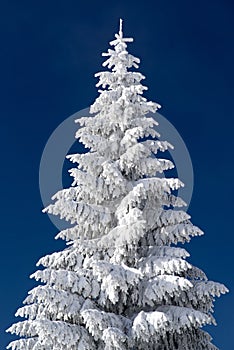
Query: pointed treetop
pixel 119 36
pixel 121 28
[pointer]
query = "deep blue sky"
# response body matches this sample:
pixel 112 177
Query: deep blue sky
pixel 49 51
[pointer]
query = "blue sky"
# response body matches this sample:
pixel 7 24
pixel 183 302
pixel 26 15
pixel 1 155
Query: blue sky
pixel 49 53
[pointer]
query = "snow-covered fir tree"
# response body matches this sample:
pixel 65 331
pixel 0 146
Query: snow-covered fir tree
pixel 122 282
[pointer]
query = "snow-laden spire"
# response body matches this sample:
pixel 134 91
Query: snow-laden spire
pixel 121 28
pixel 119 59
pixel 119 36
pixel 121 91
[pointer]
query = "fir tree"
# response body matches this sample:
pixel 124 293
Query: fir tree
pixel 122 282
